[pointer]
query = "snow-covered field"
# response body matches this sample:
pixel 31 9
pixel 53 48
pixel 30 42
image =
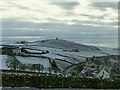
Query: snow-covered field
pixel 34 60
pixel 26 60
pixel 60 54
pixel 59 50
pixel 3 61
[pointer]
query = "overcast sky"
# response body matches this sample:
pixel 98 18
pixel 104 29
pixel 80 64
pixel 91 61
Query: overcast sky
pixel 52 18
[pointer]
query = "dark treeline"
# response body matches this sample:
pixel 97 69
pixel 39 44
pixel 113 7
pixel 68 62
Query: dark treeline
pixel 20 80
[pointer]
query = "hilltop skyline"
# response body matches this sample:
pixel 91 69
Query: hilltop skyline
pixel 91 21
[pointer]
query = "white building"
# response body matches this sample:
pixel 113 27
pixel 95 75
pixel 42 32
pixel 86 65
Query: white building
pixel 17 51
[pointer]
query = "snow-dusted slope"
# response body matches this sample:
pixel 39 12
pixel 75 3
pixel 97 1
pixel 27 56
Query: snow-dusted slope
pixel 67 55
pixel 111 51
pixel 62 44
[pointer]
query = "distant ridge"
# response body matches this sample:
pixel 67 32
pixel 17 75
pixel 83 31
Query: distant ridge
pixel 62 44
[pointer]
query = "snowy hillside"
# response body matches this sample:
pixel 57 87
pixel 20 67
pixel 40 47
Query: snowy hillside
pixel 62 44
pixel 111 51
pixel 67 55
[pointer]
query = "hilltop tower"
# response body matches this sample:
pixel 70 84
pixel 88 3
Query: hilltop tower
pixel 56 38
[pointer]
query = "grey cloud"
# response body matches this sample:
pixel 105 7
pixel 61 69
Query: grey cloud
pixel 104 5
pixel 22 7
pixel 53 29
pixel 66 5
pixel 18 6
pixel 93 17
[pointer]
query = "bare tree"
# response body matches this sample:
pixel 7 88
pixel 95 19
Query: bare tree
pixel 12 62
